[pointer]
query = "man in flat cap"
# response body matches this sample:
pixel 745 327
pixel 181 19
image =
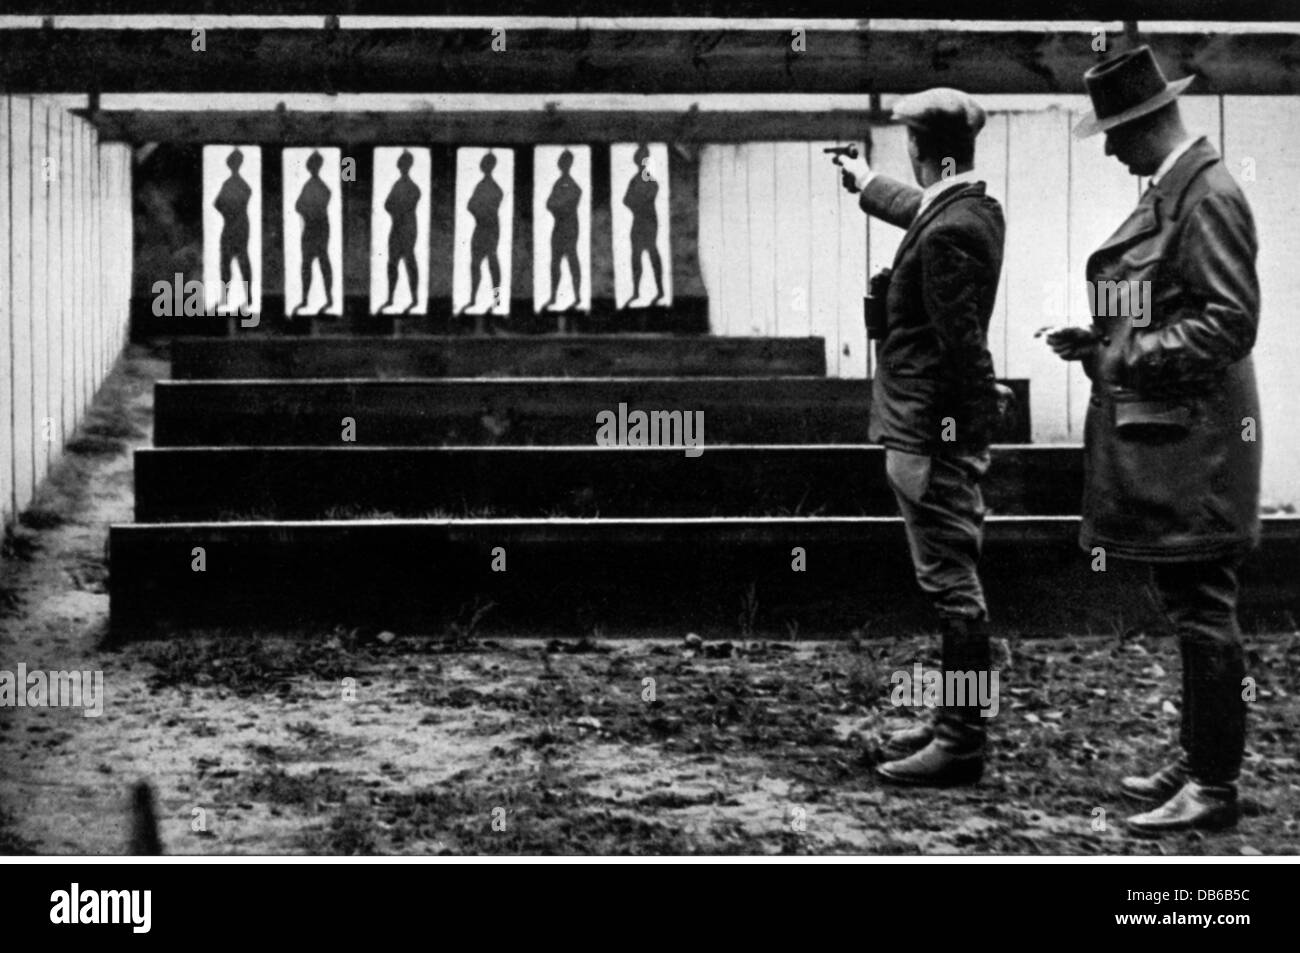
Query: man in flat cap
pixel 935 401
pixel 1171 442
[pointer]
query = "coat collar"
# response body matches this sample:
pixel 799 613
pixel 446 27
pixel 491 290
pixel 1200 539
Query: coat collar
pixel 941 202
pixel 1174 183
pixel 1162 201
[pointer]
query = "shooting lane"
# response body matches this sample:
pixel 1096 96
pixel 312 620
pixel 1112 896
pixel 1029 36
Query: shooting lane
pixel 232 228
pixel 484 234
pixel 562 271
pixel 399 230
pixel 639 204
pixel 313 229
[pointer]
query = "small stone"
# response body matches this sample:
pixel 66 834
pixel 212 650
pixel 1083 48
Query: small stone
pixel 384 638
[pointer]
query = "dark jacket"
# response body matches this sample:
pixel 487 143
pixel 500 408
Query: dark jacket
pixel 934 375
pixel 1172 473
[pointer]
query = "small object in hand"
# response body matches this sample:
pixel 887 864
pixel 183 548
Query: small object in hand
pixel 1006 398
pixel 839 151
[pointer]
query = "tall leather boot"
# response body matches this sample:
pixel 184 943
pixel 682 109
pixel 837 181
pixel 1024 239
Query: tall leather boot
pixel 1214 718
pixel 956 753
pixel 1167 780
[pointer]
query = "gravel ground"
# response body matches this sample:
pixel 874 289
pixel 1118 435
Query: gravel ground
pixel 359 741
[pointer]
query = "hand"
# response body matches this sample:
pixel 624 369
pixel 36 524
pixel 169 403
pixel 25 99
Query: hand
pixel 1006 398
pixel 1072 343
pixel 853 172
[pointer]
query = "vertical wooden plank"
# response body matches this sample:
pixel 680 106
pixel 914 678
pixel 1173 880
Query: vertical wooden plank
pixel 79 230
pixel 87 273
pixel 96 254
pixel 117 237
pixel 97 273
pixel 54 284
pixel 735 241
pixel 1262 151
pixel 760 163
pixel 1036 262
pixel 824 204
pixel 71 292
pixel 852 284
pixel 20 125
pixel 92 254
pixel 67 365
pixel 42 172
pixel 710 234
pixel 793 241
pixel 6 319
pixel 127 246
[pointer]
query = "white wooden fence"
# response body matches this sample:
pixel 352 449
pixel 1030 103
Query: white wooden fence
pixel 65 273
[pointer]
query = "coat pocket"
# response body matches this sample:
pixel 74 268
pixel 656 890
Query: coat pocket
pixel 1140 418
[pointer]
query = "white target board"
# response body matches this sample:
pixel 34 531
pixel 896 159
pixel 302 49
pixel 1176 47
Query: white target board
pixel 399 231
pixel 562 228
pixel 484 232
pixel 313 232
pixel 232 229
pixel 643 271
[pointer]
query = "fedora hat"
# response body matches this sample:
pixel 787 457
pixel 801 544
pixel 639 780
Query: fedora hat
pixel 1125 88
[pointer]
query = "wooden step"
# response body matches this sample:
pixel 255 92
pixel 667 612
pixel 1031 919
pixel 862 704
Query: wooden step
pixel 515 411
pixel 297 483
pixel 715 575
pixel 646 355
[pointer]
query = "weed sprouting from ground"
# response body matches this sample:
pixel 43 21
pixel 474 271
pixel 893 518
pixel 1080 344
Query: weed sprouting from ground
pixel 245 664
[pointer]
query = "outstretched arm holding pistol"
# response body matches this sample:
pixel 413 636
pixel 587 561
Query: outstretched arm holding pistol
pixel 881 196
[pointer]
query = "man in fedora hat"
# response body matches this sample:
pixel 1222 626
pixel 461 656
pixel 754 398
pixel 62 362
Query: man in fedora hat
pixel 1171 441
pixel 935 400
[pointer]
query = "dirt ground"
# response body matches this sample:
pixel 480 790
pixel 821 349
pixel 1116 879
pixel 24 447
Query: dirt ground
pixel 256 743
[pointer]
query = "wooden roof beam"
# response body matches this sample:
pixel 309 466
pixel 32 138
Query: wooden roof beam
pixel 896 58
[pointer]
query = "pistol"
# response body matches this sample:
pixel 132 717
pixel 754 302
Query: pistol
pixel 851 151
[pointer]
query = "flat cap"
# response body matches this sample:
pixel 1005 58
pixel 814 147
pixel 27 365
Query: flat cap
pixel 941 111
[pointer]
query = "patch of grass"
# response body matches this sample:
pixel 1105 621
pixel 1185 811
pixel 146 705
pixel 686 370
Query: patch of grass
pixel 40 517
pixel 246 665
pixel 545 816
pixel 464 629
pixel 93 445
